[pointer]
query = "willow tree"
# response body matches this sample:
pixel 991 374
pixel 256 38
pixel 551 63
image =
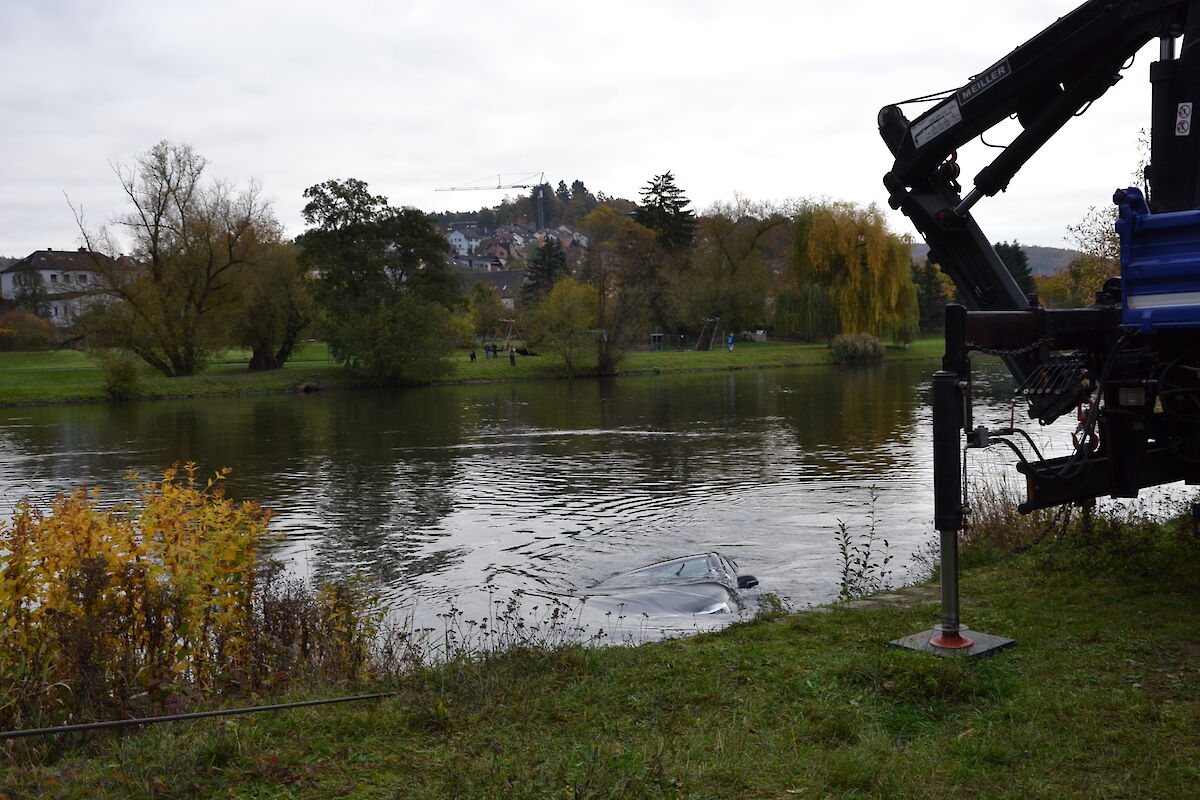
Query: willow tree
pixel 191 239
pixel 276 309
pixel 860 267
pixel 804 311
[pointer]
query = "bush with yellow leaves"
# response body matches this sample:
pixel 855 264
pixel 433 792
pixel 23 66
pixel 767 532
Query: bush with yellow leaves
pixel 106 611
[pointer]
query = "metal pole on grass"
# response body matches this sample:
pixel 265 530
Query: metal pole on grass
pixel 948 418
pixel 951 406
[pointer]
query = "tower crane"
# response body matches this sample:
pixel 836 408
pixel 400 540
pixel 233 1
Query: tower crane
pixel 522 182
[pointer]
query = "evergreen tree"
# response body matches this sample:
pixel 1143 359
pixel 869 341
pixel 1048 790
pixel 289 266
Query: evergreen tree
pixel 562 192
pixel 1017 261
pixel 546 266
pixel 664 210
pixel 582 201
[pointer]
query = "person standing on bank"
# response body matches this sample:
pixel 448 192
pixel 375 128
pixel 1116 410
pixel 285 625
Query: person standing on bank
pixel 512 356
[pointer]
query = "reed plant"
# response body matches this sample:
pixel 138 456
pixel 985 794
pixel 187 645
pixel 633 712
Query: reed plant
pixel 994 529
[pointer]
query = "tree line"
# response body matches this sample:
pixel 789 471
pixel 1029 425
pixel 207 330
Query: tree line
pixel 214 269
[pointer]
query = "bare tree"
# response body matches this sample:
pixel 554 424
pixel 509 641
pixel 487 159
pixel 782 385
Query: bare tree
pixel 189 241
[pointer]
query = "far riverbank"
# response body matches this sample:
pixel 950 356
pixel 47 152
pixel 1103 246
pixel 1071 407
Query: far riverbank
pixel 70 376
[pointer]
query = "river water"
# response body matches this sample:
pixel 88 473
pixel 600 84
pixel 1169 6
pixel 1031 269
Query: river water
pixel 546 487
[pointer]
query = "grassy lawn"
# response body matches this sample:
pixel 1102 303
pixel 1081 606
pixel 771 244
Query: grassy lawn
pixel 73 376
pixel 1100 698
pixel 760 354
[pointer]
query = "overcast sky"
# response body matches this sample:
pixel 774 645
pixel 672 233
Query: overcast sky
pixel 772 99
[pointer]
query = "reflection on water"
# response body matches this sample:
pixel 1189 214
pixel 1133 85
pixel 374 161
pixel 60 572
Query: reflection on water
pixel 542 486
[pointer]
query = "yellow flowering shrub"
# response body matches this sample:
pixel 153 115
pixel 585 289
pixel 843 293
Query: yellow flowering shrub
pixel 100 605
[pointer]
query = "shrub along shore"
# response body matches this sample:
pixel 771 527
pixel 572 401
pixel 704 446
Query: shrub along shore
pixel 69 376
pixel 1100 698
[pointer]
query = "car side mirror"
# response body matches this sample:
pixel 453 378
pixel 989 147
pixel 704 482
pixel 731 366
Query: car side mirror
pixel 747 581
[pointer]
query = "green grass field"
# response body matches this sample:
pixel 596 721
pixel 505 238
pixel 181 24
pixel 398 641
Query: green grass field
pixel 1100 698
pixel 74 376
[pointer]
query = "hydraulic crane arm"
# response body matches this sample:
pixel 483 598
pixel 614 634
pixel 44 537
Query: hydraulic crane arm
pixel 1043 83
pixel 1130 364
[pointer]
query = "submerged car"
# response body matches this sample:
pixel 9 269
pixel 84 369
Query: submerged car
pixel 705 583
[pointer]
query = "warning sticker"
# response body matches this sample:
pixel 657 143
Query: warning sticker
pixel 942 118
pixel 1183 119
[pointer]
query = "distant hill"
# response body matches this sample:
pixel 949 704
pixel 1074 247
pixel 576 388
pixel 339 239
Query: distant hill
pixel 1042 260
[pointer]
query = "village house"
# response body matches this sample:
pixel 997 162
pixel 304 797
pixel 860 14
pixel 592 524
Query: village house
pixel 476 250
pixel 57 284
pixel 517 235
pixel 476 263
pixel 506 283
pixel 464 241
pixel 497 248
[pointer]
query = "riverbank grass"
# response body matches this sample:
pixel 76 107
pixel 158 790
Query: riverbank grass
pixel 74 376
pixel 1100 698
pixel 71 376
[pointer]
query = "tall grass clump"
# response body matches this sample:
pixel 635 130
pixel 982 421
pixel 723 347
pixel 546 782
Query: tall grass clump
pixel 856 348
pixel 122 377
pixel 994 528
pixel 112 612
pixel 1130 539
pixel 1119 538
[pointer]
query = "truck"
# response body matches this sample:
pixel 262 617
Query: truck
pixel 1128 366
